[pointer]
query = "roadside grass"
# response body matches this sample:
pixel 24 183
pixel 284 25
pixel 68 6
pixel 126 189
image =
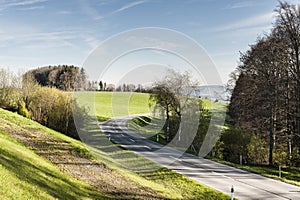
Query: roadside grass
pixel 148 127
pixel 288 174
pixel 25 175
pixel 179 184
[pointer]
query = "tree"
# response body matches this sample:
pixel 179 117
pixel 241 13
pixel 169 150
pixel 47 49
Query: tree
pixel 173 94
pixel 101 86
pixel 162 96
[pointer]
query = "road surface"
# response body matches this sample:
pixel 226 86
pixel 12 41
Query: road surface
pixel 215 175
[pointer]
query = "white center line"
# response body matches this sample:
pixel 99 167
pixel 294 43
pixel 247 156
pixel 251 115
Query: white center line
pixel 147 147
pixel 175 158
pixel 131 140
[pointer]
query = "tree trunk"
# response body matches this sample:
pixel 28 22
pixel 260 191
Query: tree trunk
pixel 271 144
pixel 179 128
pixel 168 125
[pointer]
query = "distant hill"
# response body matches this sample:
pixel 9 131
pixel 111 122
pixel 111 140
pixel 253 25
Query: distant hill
pixel 212 92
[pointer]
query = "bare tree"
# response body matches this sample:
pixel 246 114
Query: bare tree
pixel 173 94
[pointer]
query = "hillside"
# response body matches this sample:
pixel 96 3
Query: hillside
pixel 26 175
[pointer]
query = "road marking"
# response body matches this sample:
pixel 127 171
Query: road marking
pixel 147 147
pixel 219 174
pixel 131 140
pixel 175 158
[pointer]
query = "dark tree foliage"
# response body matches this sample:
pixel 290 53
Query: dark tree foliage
pixel 266 99
pixel 62 77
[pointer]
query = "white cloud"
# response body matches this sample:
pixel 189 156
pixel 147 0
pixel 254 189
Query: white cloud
pixel 255 21
pixel 64 12
pixel 32 8
pixel 38 39
pixel 6 4
pixel 92 42
pixel 89 10
pixel 127 6
pixel 242 4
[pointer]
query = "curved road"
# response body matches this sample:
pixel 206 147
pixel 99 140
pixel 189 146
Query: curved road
pixel 215 175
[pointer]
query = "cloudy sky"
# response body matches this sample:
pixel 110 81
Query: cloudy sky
pixel 35 33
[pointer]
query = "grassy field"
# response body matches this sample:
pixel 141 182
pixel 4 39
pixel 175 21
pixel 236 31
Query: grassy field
pixel 26 175
pixel 106 105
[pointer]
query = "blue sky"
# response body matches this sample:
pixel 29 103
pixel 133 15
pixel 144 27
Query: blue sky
pixel 35 33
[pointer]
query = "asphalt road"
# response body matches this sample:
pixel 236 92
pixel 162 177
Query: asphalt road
pixel 215 175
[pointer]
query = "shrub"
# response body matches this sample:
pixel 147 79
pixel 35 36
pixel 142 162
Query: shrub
pixel 22 110
pixel 234 143
pixel 54 109
pixel 256 150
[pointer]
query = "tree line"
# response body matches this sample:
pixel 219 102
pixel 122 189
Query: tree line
pixel 265 102
pixel 72 78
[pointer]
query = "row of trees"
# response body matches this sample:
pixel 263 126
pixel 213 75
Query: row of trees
pixel 265 102
pixel 70 78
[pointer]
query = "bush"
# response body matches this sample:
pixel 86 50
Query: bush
pixel 256 151
pixel 54 109
pixel 22 110
pixel 294 160
pixel 280 156
pixel 234 143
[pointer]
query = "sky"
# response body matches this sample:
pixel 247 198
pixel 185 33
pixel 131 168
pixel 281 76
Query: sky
pixel 36 33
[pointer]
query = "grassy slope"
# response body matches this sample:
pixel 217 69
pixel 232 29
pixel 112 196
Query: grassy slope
pixel 25 175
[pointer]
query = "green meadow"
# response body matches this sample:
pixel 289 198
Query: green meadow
pixel 106 105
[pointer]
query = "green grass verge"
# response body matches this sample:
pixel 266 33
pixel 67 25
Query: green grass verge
pixel 289 175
